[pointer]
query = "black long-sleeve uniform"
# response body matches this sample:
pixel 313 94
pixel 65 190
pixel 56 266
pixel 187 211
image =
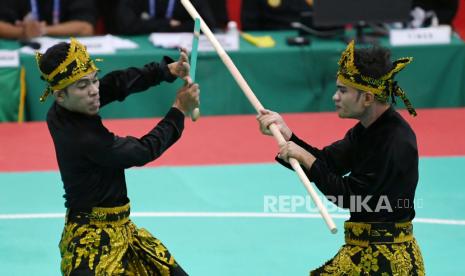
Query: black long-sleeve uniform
pixel 91 158
pixel 378 161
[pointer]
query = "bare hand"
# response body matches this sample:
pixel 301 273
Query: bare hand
pixel 175 23
pixel 292 150
pixel 32 28
pixel 181 67
pixel 268 117
pixel 187 98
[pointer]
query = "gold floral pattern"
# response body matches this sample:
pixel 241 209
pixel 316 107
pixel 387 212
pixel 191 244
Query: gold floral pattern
pixel 394 252
pixel 112 247
pixel 369 260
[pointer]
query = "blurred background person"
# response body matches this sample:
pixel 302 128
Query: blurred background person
pixel 134 17
pixel 26 19
pixel 445 10
pixel 220 12
pixel 272 14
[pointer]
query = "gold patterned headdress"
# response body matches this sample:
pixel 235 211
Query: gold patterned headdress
pixel 76 65
pixel 383 88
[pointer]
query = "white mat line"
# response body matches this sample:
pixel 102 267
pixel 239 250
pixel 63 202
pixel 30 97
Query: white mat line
pixel 223 215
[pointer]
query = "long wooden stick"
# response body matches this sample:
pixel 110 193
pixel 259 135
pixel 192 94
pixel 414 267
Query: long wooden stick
pixel 195 47
pixel 258 106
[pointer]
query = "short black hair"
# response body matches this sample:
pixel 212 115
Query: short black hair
pixel 373 62
pixel 53 57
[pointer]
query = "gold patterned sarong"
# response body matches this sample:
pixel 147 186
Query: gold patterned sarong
pixel 376 249
pixel 104 241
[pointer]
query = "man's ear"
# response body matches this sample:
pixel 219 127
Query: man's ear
pixel 59 95
pixel 368 98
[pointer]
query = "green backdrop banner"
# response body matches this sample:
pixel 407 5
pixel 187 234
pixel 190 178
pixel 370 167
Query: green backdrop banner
pixel 10 94
pixel 284 78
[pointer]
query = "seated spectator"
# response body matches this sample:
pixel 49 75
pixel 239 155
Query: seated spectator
pixel 26 19
pixel 220 12
pixel 133 17
pixel 445 10
pixel 272 14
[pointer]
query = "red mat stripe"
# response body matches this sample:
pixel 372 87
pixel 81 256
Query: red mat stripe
pixel 230 139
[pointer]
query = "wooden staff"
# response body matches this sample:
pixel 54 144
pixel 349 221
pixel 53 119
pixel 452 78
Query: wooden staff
pixel 258 106
pixel 195 46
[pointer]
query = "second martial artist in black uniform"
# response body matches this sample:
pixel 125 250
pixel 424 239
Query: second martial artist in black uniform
pixel 372 171
pixel 98 237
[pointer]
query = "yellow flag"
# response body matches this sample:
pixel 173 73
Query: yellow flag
pixel 259 41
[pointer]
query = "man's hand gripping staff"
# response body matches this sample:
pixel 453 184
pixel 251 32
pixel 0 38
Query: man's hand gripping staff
pixel 187 98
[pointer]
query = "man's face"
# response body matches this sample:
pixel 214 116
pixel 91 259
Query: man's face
pixel 82 96
pixel 349 101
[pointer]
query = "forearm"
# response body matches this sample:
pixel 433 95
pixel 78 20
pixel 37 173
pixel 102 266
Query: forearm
pixel 336 156
pixel 77 28
pixel 313 150
pixel 306 160
pixel 117 85
pixel 330 184
pixel 125 152
pixel 10 31
pixel 163 136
